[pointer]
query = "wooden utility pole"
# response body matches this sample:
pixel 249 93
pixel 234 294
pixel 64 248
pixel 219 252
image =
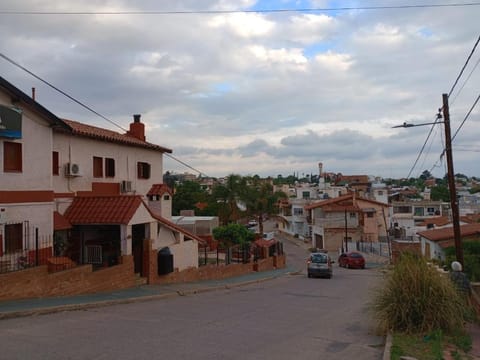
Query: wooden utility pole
pixel 451 182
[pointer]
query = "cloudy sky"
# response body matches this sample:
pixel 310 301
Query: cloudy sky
pixel 254 92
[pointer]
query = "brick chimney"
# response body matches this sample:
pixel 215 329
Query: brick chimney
pixel 137 129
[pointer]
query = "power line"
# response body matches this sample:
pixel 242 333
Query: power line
pixel 466 80
pixel 84 105
pixel 423 147
pixel 464 66
pixel 207 12
pixel 466 116
pixel 60 91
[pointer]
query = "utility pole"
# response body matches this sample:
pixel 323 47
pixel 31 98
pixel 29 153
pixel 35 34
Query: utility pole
pixel 346 232
pixel 451 182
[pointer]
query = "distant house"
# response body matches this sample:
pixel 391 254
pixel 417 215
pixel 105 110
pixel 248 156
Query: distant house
pixel 407 216
pixel 434 242
pixel 347 217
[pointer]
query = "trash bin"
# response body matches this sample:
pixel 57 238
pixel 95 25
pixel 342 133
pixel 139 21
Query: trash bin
pixel 165 261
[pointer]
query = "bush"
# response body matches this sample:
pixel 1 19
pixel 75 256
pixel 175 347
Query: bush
pixel 416 298
pixel 471 259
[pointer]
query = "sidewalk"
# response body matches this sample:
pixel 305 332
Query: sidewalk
pixel 28 307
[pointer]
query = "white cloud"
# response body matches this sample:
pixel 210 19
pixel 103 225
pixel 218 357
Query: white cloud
pixel 242 24
pixel 259 93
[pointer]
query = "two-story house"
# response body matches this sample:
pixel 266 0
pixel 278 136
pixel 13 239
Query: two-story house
pixel 96 192
pixel 346 218
pixel 408 217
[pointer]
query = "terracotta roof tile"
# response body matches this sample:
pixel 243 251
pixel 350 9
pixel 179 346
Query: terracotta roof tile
pixel 111 136
pixel 159 189
pixel 60 222
pixel 438 221
pixel 447 233
pixel 103 209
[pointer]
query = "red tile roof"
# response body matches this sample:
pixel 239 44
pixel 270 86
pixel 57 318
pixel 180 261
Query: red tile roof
pixel 265 242
pixel 343 202
pixel 103 209
pixel 159 189
pixel 111 136
pixel 59 222
pixel 438 221
pixel 114 210
pixel 447 233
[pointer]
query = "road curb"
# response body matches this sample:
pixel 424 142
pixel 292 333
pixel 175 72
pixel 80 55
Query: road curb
pixel 388 347
pixel 142 298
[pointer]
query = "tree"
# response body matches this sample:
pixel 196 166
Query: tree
pixel 233 234
pixel 440 193
pixel 187 196
pixel 260 199
pixel 227 197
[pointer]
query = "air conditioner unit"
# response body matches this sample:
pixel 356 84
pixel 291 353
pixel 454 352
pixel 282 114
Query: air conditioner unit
pixel 3 216
pixel 126 186
pixel 72 169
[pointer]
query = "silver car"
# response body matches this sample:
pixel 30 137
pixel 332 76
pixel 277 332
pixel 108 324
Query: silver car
pixel 319 264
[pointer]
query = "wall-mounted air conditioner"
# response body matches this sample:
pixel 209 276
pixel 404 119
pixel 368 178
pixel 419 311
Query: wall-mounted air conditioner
pixel 3 216
pixel 72 169
pixel 126 186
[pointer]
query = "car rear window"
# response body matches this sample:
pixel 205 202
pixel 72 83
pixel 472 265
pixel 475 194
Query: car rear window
pixel 320 258
pixel 355 255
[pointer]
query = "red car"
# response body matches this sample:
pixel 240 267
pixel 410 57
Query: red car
pixel 352 260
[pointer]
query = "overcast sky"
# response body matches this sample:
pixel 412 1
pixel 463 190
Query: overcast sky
pixel 264 93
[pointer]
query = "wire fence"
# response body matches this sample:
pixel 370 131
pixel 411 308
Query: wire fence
pixel 375 248
pixel 238 254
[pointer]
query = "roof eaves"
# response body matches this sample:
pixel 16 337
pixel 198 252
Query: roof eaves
pixel 20 96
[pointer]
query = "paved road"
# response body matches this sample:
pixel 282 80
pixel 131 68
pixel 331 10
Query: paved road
pixel 289 317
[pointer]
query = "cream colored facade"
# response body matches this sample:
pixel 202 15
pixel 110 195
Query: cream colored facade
pixel 80 150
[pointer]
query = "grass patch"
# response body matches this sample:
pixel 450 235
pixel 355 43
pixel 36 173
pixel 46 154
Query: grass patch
pixel 430 346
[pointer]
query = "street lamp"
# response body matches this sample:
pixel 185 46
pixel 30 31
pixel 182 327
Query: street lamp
pixel 450 174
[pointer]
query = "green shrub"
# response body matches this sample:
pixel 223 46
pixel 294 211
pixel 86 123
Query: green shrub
pixel 416 298
pixel 471 259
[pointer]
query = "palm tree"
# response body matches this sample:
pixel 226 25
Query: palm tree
pixel 227 196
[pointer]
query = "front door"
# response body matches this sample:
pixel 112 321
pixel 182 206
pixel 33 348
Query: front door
pixel 138 235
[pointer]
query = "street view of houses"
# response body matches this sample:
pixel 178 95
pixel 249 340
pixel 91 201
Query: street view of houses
pixel 276 233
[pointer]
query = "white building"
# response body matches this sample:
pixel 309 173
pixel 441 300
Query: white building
pixel 96 192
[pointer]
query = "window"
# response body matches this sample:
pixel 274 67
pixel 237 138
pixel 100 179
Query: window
pixel 97 167
pixel 380 193
pixel 55 163
pixel 12 156
pixel 353 215
pixel 297 211
pixel 419 211
pixel 109 167
pixel 370 215
pixel 13 238
pixel 166 197
pixel 143 170
pixel 306 195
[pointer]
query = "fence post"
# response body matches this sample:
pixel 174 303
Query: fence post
pixel 36 246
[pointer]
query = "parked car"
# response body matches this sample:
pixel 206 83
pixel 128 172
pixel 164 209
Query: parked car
pixel 252 223
pixel 352 260
pixel 319 264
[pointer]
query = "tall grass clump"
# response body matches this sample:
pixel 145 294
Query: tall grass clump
pixel 416 298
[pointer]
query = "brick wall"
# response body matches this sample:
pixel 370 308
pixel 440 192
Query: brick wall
pixel 400 247
pixel 38 282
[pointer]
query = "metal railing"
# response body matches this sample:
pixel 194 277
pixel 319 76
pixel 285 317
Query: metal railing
pixel 237 254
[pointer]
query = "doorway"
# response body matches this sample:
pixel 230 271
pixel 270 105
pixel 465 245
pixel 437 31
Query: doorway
pixel 138 236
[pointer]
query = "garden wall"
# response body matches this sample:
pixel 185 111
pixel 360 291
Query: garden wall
pixel 37 282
